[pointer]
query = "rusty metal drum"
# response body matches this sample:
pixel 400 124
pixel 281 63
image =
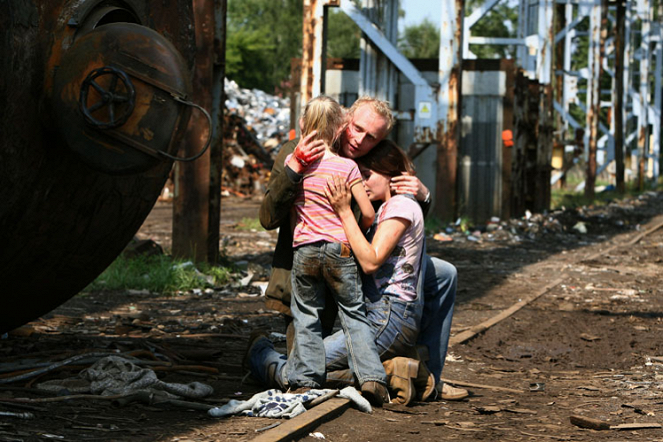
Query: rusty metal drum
pixel 90 94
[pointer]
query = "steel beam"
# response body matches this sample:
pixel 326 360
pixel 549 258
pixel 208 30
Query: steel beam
pixel 425 116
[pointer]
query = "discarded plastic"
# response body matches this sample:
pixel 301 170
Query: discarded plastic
pixel 25 415
pixel 537 386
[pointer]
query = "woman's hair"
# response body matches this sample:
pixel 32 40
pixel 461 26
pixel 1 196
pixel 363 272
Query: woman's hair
pixel 387 159
pixel 325 115
pixel 380 107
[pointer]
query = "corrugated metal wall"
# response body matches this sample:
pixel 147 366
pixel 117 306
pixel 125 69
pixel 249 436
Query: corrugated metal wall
pixel 480 158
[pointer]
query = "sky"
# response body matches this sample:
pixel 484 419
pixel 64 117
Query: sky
pixel 417 10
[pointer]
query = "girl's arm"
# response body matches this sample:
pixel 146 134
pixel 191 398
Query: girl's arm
pixel 365 206
pixel 369 255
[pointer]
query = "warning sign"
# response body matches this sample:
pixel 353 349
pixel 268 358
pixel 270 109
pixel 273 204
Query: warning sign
pixel 425 109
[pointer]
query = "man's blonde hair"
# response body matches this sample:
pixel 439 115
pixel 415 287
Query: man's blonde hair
pixel 326 116
pixel 380 107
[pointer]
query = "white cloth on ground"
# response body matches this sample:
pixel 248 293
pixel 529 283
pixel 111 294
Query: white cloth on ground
pixel 275 404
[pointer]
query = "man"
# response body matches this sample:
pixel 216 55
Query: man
pixel 369 121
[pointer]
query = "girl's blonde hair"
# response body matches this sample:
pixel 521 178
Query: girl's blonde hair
pixel 325 115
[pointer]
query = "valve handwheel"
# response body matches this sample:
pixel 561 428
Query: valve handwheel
pixel 118 97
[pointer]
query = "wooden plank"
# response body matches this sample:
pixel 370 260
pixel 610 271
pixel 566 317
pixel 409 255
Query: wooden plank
pixel 641 426
pixel 487 387
pixel 480 328
pixel 305 421
pixel 587 422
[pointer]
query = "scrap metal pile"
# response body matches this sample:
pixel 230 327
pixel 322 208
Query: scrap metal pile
pixel 256 124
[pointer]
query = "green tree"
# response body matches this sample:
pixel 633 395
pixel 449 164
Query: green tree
pixel 420 41
pixel 262 37
pixel 343 35
pixel 500 21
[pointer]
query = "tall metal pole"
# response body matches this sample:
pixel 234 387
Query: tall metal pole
pixel 597 39
pixel 312 51
pixel 449 106
pixel 643 122
pixel 618 109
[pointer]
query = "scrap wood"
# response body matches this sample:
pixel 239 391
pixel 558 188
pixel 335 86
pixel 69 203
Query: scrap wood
pixel 24 415
pixel 22 406
pixel 233 191
pixel 288 430
pixel 436 423
pixel 550 436
pixel 54 366
pixel 320 399
pixel 587 422
pixel 636 426
pixel 211 370
pixel 488 387
pixel 491 409
pixel 480 328
pixel 25 400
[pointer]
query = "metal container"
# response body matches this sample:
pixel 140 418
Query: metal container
pixel 90 96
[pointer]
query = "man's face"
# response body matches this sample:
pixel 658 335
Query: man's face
pixel 365 129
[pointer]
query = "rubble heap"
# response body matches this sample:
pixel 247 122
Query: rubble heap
pixel 267 115
pixel 566 224
pixel 256 124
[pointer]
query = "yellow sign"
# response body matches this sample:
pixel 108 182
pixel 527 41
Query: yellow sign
pixel 425 108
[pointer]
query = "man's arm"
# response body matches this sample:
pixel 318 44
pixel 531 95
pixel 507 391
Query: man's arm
pixel 281 191
pixel 285 179
pixel 410 184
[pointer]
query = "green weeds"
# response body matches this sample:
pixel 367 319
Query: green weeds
pixel 250 224
pixel 159 274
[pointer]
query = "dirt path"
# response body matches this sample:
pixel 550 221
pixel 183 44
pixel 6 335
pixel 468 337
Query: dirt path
pixel 588 346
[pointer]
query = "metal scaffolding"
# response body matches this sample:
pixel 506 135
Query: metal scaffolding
pixel 575 49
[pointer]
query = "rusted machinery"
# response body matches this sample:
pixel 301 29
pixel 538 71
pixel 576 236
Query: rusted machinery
pixel 93 104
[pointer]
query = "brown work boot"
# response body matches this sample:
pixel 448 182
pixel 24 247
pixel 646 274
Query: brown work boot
pixel 401 373
pixel 375 393
pixel 450 393
pixel 424 383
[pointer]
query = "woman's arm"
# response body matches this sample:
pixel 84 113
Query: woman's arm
pixel 365 206
pixel 369 255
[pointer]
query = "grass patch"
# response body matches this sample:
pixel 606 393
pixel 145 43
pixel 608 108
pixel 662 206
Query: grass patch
pixel 159 274
pixel 251 224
